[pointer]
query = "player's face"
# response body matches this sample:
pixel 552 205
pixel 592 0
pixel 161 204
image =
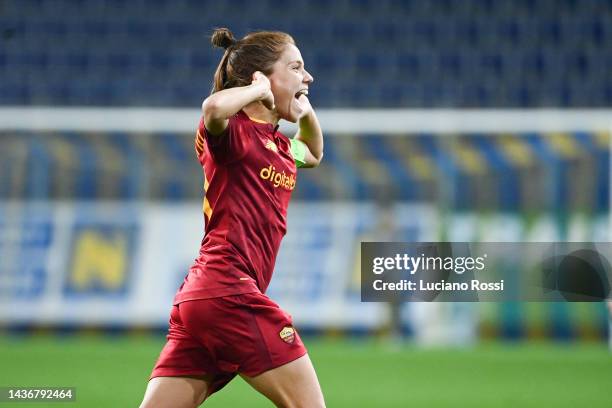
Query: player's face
pixel 289 79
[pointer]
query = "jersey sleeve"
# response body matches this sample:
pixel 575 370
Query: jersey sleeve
pixel 298 150
pixel 229 146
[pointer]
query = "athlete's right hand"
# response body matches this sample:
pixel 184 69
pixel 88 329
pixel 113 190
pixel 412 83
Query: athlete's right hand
pixel 267 97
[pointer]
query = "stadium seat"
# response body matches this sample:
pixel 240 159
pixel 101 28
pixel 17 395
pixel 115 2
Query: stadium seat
pixel 428 43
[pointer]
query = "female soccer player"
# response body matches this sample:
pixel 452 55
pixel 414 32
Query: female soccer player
pixel 222 323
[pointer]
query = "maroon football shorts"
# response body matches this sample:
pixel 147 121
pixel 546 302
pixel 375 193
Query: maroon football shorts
pixel 224 336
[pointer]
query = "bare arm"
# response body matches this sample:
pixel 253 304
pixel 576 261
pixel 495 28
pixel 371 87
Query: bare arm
pixel 310 134
pixel 220 106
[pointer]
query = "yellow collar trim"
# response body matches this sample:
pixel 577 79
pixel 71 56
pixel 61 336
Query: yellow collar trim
pixel 257 120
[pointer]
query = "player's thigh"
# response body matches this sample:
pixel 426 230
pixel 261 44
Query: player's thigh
pixel 175 392
pixel 291 385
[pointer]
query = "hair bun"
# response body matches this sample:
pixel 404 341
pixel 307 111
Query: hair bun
pixel 223 37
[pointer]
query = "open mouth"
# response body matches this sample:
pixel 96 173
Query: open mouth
pixel 301 92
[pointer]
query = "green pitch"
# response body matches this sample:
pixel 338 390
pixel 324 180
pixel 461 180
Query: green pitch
pixel 112 372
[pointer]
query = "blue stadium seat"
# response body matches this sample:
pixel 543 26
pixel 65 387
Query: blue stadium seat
pixel 15 94
pixel 565 45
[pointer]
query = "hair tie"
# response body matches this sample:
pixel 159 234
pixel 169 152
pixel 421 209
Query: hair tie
pixel 233 42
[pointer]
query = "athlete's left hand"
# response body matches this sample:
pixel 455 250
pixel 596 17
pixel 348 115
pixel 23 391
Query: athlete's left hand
pixel 305 106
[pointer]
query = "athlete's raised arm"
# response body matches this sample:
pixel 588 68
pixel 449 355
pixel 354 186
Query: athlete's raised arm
pixel 221 105
pixel 310 133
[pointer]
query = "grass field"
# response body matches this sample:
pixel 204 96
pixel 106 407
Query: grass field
pixel 112 372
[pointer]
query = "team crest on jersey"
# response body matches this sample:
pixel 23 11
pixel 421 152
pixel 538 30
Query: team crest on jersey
pixel 272 146
pixel 287 334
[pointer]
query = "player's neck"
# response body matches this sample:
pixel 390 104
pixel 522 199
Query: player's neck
pixel 258 112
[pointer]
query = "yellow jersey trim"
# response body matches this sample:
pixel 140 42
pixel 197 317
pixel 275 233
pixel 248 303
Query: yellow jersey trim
pixel 206 204
pixel 258 120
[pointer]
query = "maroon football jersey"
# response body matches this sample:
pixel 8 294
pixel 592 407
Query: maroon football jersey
pixel 249 174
